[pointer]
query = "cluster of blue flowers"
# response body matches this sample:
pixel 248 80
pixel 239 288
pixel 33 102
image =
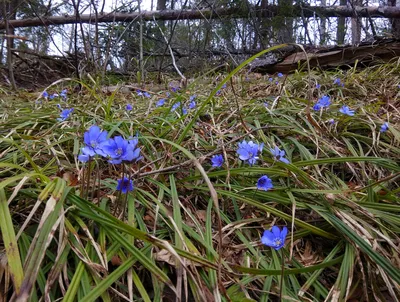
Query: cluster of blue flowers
pixel 63 95
pixel 323 102
pixel 143 93
pixel 116 150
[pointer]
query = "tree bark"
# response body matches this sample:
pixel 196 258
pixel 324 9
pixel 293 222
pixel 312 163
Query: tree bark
pixel 270 12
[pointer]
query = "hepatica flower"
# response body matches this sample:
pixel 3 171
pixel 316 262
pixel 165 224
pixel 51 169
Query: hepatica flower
pixel 94 140
pixel 192 104
pixel 125 185
pixel 346 110
pixel 160 103
pixel 318 86
pixel 279 75
pixel 274 238
pixel 338 82
pixel 184 111
pixel 217 160
pixel 264 183
pixel 175 106
pixel 65 114
pixel 279 155
pixel 128 107
pixel 45 94
pixel 63 93
pixel 322 102
pixel 118 149
pixel 248 151
pixel 384 127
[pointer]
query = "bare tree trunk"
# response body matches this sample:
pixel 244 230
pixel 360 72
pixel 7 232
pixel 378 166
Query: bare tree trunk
pixel 355 25
pixel 322 32
pixel 10 42
pixel 395 22
pixel 341 27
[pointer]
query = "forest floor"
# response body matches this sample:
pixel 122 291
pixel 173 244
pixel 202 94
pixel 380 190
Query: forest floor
pixel 172 196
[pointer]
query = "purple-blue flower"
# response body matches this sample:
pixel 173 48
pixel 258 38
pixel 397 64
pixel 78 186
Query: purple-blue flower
pixel 274 238
pixel 128 107
pixel 160 103
pixel 318 86
pixel 175 106
pixel 65 114
pixel 346 110
pixel 192 98
pixel 279 155
pixel 264 183
pixel 63 93
pixel 118 149
pixel 184 111
pixel 279 75
pixel 45 94
pixel 384 127
pixel 338 82
pixel 248 151
pixel 217 160
pixel 322 102
pixel 125 185
pixel 192 104
pixel 331 121
pixel 270 79
pixel 94 140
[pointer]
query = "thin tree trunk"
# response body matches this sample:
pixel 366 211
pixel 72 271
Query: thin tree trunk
pixel 341 27
pixel 10 42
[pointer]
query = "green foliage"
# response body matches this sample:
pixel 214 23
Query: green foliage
pixel 191 230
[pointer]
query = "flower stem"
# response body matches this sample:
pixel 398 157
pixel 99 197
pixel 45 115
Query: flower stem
pixel 282 271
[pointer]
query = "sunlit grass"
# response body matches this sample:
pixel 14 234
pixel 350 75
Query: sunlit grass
pixel 190 230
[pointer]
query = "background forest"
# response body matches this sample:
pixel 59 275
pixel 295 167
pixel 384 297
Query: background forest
pixel 208 35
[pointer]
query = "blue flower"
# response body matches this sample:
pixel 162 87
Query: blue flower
pixel 318 86
pixel 63 93
pixel 266 104
pixel 317 107
pixel 279 75
pixel 279 155
pixel 65 114
pixel 322 102
pixel 128 107
pixel 175 106
pixel 184 111
pixel 94 140
pixel 223 86
pixel 248 151
pixel 331 121
pixel 118 149
pixel 53 96
pixel 83 157
pixel 338 82
pixel 264 183
pixel 59 106
pixel 217 160
pixel 139 93
pixel 274 238
pixel 192 98
pixel 125 185
pixel 385 127
pixel 192 104
pixel 174 89
pixel 218 93
pixel 146 94
pixel 45 94
pixel 160 103
pixel 346 110
pixel 270 79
